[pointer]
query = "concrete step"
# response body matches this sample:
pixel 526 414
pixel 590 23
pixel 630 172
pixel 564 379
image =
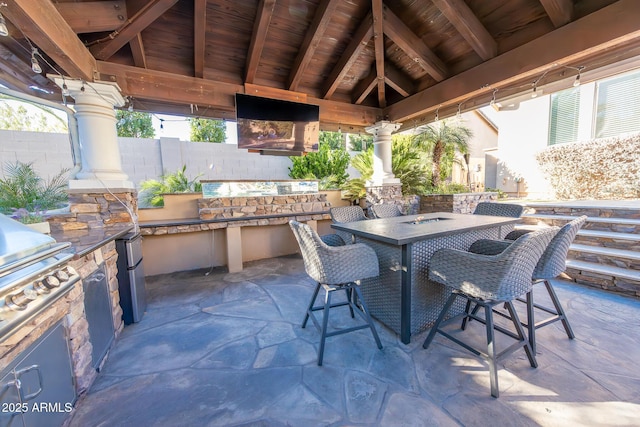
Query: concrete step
pixel 621 225
pixel 606 256
pixel 609 239
pixel 604 276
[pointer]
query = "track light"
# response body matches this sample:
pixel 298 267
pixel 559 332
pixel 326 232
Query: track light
pixel 35 66
pixel 4 31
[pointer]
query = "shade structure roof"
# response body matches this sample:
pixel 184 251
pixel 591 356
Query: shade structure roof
pixel 361 60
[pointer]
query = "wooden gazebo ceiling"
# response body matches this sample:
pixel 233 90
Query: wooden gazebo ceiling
pixel 360 60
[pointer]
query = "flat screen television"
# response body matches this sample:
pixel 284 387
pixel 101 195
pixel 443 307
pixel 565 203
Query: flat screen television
pixel 273 126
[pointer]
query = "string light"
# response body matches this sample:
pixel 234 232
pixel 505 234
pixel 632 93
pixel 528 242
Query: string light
pixel 161 123
pixel 130 108
pixel 576 82
pixel 459 112
pixel 437 118
pixel 493 98
pixel 35 66
pixel 534 92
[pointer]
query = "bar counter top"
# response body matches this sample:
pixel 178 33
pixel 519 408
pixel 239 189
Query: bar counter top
pixel 88 240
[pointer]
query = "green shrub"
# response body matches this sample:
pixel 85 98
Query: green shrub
pixel 176 182
pixel 501 194
pixel 327 165
pixel 23 188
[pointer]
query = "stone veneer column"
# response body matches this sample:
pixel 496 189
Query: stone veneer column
pixel 99 151
pixel 382 172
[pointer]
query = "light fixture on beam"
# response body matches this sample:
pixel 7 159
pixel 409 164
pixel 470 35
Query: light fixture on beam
pixel 576 82
pixel 4 31
pixel 35 66
pixel 534 92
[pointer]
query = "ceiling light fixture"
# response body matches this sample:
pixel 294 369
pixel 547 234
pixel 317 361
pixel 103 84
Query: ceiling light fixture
pixel 4 31
pixel 35 66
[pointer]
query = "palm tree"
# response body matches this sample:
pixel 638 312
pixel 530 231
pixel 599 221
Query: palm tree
pixel 443 141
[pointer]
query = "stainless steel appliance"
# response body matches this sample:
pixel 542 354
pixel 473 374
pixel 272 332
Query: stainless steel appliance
pixel 33 274
pixel 133 296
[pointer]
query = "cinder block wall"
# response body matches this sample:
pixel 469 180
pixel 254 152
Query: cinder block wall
pixel 146 158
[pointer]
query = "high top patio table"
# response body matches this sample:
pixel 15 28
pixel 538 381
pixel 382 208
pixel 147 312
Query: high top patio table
pixel 402 297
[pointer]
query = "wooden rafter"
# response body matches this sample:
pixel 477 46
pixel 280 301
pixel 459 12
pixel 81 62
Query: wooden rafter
pixel 411 44
pixel 399 81
pixel 141 20
pixel 260 28
pixel 357 44
pixel 199 36
pixel 364 87
pixel 560 11
pixel 378 41
pixel 90 17
pixel 137 51
pixel 571 43
pixel 312 39
pixel 43 24
pixel 469 27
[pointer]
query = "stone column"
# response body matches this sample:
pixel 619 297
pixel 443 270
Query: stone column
pixel 382 172
pixel 99 150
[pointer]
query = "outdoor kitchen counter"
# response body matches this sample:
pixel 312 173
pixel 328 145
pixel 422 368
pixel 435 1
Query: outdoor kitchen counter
pixel 87 241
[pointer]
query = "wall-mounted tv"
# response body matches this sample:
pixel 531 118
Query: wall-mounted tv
pixel 272 125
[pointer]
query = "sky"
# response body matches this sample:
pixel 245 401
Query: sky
pixel 178 127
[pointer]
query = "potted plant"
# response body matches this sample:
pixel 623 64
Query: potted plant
pixel 35 220
pixel 26 196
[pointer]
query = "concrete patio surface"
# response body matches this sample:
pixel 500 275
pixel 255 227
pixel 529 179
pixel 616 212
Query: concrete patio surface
pixel 227 350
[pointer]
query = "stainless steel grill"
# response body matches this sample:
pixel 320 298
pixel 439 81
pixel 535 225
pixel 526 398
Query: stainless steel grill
pixel 33 274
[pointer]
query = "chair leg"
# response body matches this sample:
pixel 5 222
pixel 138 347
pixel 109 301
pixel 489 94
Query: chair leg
pixel 313 300
pixel 367 316
pixel 325 321
pixel 467 309
pixel 443 313
pixel 560 310
pixel 491 352
pixel 349 293
pixel 520 332
pixel 531 322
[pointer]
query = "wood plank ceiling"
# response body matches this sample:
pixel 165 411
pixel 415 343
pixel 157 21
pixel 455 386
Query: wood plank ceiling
pixel 360 60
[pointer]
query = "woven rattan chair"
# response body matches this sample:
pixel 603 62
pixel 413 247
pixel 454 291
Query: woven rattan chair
pixel 343 214
pixel 336 269
pixel 489 280
pixel 385 210
pixel 551 265
pixel 500 209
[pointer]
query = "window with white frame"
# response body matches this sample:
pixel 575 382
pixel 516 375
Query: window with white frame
pixel 565 110
pixel 618 105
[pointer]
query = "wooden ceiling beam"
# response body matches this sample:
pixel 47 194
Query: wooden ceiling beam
pixel 42 23
pixel 559 11
pixel 378 41
pixel 162 87
pixel 137 51
pixel 469 26
pixel 357 44
pixel 571 43
pixel 311 41
pixel 94 16
pixel 399 81
pixel 413 46
pixel 141 20
pixel 199 36
pixel 260 28
pixel 364 87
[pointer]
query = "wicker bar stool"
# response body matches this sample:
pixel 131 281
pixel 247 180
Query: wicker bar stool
pixel 489 280
pixel 342 214
pixel 551 265
pixel 385 210
pixel 336 268
pixel 500 209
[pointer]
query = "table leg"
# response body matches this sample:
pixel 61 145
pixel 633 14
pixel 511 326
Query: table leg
pixel 405 303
